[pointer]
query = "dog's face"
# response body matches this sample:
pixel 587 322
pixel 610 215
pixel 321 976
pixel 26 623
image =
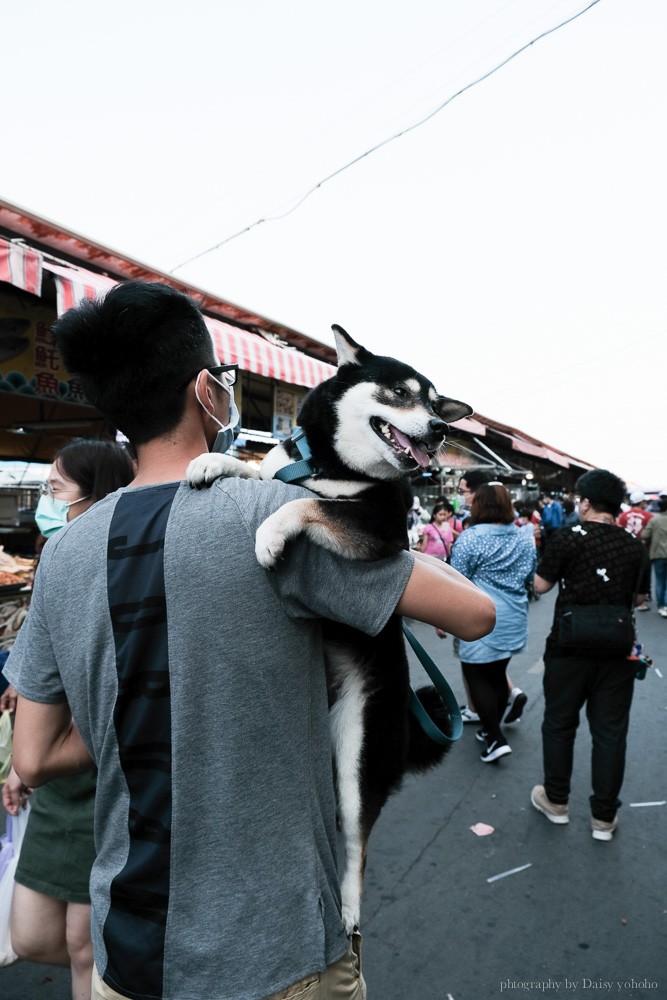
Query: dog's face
pixel 390 419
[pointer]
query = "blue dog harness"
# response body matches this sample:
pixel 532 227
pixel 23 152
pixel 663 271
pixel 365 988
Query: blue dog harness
pixel 298 471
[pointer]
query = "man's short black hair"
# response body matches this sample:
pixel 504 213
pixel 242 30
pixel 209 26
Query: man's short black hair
pixel 478 477
pixel 603 490
pixel 134 350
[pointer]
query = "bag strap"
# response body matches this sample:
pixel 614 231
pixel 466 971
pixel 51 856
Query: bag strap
pixel 442 687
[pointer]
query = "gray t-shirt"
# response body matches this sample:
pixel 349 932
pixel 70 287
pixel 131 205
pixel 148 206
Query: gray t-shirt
pixel 196 679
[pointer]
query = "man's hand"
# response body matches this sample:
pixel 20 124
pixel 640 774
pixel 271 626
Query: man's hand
pixel 14 793
pixel 8 699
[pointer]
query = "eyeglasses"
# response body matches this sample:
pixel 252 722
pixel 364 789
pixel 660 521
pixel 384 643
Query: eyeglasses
pixel 228 372
pixel 46 490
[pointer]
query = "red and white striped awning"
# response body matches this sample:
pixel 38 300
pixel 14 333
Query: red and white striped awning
pixel 233 345
pixel 74 284
pixel 21 266
pixel 256 354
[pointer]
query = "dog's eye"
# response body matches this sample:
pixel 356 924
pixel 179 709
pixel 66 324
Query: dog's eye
pixel 400 391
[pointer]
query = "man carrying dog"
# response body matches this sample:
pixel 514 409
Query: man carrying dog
pixel 196 683
pixel 595 563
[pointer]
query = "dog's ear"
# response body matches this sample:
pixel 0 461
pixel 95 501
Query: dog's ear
pixel 349 352
pixel 451 410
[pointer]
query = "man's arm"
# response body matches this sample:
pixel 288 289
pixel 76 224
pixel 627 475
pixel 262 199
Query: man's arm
pixel 437 594
pixel 47 744
pixel 541 585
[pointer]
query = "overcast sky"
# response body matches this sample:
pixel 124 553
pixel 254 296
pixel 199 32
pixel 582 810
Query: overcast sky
pixel 512 247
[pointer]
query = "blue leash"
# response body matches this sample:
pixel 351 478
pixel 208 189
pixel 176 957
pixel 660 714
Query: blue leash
pixel 443 689
pixel 296 473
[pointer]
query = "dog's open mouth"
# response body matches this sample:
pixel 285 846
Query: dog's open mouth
pixel 404 446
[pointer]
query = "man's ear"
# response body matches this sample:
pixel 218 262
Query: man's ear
pixel 203 389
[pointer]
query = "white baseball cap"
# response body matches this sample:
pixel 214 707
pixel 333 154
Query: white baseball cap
pixel 637 497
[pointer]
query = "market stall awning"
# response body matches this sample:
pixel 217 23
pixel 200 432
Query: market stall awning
pixel 250 351
pixel 21 266
pixel 256 354
pixel 470 425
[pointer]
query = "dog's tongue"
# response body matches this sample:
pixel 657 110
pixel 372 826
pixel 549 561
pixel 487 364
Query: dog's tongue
pixel 420 456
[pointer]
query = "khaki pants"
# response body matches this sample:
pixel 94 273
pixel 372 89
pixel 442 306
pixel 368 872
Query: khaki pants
pixel 341 981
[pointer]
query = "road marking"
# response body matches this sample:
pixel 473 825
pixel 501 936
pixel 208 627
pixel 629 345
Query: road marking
pixel 512 871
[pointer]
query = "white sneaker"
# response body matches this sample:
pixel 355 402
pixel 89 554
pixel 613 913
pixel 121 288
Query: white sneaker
pixel 603 830
pixel 515 706
pixel 468 715
pixel 663 612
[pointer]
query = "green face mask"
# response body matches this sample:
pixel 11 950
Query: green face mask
pixel 51 514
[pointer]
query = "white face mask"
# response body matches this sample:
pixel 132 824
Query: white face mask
pixel 225 436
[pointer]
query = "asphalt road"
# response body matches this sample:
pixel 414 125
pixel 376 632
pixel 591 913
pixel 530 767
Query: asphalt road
pixel 583 914
pixel 582 918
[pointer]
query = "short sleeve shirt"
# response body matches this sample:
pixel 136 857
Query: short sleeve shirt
pixel 197 681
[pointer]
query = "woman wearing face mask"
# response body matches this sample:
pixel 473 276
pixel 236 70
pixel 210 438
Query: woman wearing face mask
pixel 50 917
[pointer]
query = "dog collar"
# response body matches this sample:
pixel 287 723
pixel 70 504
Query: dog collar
pixel 297 471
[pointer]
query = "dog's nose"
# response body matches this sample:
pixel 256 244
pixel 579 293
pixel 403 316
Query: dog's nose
pixel 437 427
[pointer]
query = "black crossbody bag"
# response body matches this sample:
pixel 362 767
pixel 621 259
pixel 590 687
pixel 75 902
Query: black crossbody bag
pixel 601 628
pixel 607 629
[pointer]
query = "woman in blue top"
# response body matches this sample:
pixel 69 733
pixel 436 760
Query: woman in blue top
pixel 498 557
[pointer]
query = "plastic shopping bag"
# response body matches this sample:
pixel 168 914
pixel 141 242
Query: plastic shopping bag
pixel 10 847
pixel 6 740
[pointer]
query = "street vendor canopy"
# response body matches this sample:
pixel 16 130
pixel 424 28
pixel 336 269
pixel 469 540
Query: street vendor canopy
pixel 23 267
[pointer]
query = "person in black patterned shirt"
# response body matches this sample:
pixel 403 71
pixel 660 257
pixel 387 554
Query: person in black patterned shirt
pixel 594 562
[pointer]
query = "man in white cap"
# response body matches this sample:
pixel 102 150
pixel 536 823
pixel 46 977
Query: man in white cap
pixel 634 521
pixel 637 517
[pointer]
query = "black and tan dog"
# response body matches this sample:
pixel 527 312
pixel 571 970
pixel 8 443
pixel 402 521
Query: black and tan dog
pixel 370 425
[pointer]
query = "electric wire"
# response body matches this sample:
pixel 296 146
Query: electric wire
pixel 389 139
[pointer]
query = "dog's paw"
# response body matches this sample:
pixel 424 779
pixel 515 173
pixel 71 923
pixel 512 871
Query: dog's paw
pixel 270 544
pixel 350 918
pixel 205 468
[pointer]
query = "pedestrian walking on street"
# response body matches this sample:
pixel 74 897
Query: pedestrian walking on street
pixel 654 535
pixel 596 563
pixel 498 557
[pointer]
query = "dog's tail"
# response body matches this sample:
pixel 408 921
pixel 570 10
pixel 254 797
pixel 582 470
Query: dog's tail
pixel 423 752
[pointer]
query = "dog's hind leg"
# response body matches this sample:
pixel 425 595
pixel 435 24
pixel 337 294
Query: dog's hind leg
pixel 347 734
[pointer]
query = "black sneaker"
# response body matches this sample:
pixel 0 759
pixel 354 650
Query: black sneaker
pixel 515 706
pixel 481 735
pixel 495 750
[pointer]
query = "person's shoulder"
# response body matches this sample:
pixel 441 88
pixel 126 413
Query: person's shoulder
pixel 256 499
pixel 264 488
